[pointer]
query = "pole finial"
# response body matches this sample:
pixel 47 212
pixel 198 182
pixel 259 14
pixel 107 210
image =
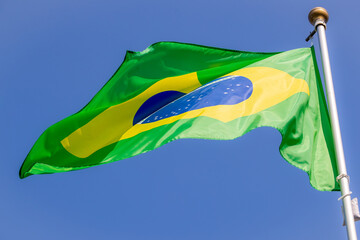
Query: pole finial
pixel 318 13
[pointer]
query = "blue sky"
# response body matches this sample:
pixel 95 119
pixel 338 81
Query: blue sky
pixel 55 55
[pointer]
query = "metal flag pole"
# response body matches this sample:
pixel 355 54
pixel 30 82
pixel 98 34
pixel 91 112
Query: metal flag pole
pixel 318 17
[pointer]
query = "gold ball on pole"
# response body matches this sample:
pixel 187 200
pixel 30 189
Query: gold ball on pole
pixel 318 13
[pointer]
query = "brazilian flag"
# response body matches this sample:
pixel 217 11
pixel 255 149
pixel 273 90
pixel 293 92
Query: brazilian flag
pixel 175 90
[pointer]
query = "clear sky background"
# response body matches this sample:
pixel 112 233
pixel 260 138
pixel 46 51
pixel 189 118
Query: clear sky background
pixel 55 55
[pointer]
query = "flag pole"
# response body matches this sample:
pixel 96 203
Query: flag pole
pixel 318 17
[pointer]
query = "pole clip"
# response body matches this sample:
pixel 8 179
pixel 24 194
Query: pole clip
pixel 311 35
pixel 345 195
pixel 317 23
pixel 338 178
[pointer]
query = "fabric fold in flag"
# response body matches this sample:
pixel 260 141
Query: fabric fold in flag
pixel 175 90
